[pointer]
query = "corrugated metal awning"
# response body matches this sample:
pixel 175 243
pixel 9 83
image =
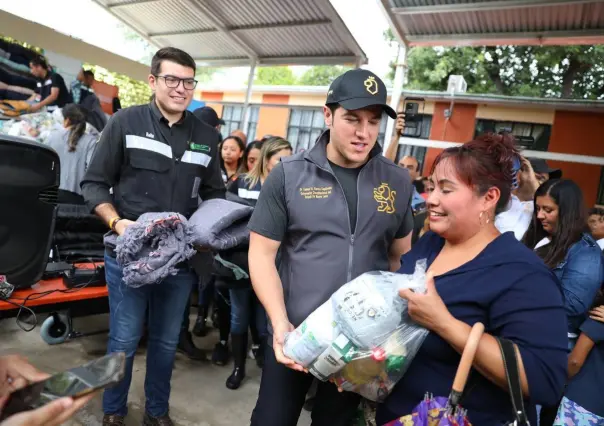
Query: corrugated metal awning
pixel 237 32
pixel 496 22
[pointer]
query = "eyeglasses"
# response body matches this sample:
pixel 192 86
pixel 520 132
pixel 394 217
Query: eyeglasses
pixel 173 82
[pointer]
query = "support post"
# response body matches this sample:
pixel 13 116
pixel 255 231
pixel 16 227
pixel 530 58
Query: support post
pixel 248 97
pixel 397 89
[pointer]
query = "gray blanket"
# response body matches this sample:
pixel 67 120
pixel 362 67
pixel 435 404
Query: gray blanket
pixel 220 224
pixel 151 248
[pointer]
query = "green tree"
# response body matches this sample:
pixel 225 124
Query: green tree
pixel 543 71
pixel 275 76
pixel 22 43
pixel 131 91
pixel 321 75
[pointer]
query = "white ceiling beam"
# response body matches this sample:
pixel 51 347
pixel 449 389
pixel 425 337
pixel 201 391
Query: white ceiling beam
pixel 502 38
pixel 244 28
pixel 279 61
pixel 498 5
pixel 201 8
pixel 554 156
pixel 393 23
pixel 135 26
pixel 129 3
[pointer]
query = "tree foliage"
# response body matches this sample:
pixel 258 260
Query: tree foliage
pixel 275 76
pixel 321 75
pixel 542 71
pixel 36 49
pixel 131 91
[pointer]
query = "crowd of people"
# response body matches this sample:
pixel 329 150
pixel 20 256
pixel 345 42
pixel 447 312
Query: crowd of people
pixel 508 242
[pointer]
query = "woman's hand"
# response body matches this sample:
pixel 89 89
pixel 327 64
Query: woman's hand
pixel 427 309
pixel 15 373
pixel 597 314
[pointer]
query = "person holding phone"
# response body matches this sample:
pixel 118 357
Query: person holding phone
pixel 15 373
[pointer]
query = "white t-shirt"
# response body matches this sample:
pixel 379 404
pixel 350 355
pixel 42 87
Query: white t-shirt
pixel 516 218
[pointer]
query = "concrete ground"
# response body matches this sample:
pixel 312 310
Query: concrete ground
pixel 199 396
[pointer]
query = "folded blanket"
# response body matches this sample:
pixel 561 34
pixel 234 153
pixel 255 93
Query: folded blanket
pixel 151 248
pixel 220 224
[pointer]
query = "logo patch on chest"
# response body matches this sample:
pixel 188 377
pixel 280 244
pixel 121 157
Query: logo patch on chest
pixel 385 197
pixel 198 147
pixel 315 192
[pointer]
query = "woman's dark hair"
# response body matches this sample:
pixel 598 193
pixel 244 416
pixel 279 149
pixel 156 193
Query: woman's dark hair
pixel 599 300
pixel 39 61
pixel 77 122
pixel 571 224
pixel 246 153
pixel 171 54
pixel 241 147
pixel 484 163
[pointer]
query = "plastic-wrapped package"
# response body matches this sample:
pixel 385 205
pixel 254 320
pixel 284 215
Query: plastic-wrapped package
pixel 313 336
pixel 373 373
pixel 362 338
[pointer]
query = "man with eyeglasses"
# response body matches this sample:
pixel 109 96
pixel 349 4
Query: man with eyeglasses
pixel 157 158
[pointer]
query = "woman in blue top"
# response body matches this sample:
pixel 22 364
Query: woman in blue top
pixel 245 307
pixel 559 235
pixel 583 400
pixel 480 275
pixel 559 227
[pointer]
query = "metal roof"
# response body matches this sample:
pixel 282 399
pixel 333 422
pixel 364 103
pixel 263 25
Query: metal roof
pixel 237 32
pixel 495 22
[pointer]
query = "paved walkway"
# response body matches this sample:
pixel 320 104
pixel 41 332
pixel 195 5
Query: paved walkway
pixel 199 396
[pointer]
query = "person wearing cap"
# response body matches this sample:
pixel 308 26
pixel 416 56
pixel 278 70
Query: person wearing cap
pixel 333 212
pixel 209 116
pixel 543 171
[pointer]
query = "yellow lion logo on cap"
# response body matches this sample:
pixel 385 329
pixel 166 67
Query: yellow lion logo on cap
pixel 385 197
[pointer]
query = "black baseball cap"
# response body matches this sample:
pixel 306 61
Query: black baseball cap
pixel 357 89
pixel 208 116
pixel 539 165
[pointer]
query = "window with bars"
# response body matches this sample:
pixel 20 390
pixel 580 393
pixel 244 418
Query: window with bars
pixel 233 119
pixel 528 135
pixel 304 127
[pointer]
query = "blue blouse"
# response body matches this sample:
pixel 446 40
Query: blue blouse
pixel 510 290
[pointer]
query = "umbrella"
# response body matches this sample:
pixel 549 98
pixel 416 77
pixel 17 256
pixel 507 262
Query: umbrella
pixel 443 411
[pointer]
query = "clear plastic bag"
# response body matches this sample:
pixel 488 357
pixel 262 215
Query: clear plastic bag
pixel 362 338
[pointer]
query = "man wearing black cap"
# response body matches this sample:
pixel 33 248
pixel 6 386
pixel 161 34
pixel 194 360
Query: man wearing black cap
pixel 543 171
pixel 209 116
pixel 334 212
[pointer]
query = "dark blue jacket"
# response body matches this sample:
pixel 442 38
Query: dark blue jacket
pixel 581 274
pixel 509 289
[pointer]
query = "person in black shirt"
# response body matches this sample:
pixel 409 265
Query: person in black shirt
pixel 157 158
pixel 51 87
